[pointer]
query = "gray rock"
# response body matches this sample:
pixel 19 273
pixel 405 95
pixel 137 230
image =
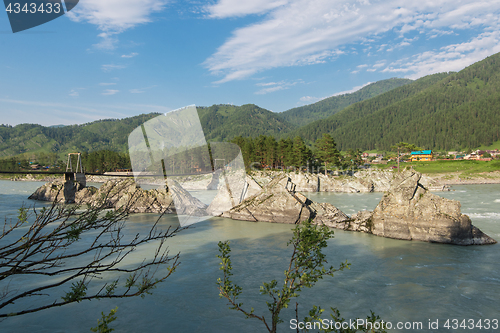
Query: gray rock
pixel 53 191
pixel 344 184
pixel 305 182
pixel 279 202
pixel 124 193
pixel 57 191
pixel 227 199
pixel 410 212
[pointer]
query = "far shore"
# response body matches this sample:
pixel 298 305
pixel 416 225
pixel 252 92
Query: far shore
pixel 448 179
pixel 458 178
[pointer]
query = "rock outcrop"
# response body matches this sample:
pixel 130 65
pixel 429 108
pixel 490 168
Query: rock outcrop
pixel 124 193
pixel 57 191
pixel 409 211
pixel 362 181
pixel 227 198
pixel 279 202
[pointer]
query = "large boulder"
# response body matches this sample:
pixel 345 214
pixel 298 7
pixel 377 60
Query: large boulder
pixel 124 193
pixel 279 202
pixel 344 184
pixel 305 182
pixel 409 211
pixel 58 191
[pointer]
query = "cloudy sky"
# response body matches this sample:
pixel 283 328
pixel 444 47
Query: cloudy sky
pixel 119 58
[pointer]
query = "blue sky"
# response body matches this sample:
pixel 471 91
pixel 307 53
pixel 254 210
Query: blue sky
pixel 120 58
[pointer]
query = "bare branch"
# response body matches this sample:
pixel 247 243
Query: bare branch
pixel 51 247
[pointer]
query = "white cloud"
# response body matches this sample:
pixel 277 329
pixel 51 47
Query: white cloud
pixel 449 58
pixel 310 99
pixel 350 91
pixel 231 8
pixel 275 86
pixel 131 55
pixel 140 90
pixel 109 92
pixel 115 16
pixel 266 84
pixel 107 83
pixel 110 67
pixel 75 92
pixel 303 32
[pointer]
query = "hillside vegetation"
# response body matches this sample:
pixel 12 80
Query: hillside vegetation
pixel 306 114
pixel 109 134
pixel 446 111
pixel 440 111
pixel 219 123
pixel 224 122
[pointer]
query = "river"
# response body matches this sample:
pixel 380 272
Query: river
pixel 401 281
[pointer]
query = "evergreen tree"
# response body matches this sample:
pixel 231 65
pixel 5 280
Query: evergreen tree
pixel 327 152
pixel 300 153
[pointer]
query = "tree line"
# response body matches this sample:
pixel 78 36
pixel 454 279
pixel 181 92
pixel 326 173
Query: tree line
pixel 260 152
pixel 266 152
pixel 95 162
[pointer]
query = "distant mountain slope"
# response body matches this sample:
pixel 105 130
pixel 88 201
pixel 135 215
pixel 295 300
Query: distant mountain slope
pixel 441 111
pixel 306 114
pixel 221 122
pixel 110 134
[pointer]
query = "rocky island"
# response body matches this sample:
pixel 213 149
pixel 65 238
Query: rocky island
pixel 407 211
pixel 124 193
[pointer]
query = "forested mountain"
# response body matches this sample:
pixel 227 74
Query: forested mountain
pixel 308 113
pixel 441 111
pixel 362 109
pixel 224 122
pixel 219 123
pixel 109 134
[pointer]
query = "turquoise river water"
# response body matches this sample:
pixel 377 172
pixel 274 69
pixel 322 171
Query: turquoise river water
pixel 403 282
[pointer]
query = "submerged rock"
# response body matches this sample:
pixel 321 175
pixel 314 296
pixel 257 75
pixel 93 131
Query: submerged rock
pixel 409 211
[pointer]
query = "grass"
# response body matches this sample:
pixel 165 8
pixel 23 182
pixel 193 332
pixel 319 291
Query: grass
pixel 463 166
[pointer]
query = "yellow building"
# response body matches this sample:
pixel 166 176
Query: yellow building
pixel 421 155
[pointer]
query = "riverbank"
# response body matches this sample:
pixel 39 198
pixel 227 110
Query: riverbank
pixel 370 180
pixel 459 178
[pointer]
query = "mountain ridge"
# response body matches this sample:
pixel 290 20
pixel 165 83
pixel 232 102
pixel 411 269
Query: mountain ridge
pixel 306 114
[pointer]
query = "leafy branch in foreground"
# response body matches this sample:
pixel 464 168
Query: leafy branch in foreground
pixel 102 324
pixel 51 246
pixel 306 267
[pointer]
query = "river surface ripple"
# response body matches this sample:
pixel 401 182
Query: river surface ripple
pixel 399 280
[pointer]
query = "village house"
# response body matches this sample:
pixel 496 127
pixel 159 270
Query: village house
pixel 478 156
pixel 421 155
